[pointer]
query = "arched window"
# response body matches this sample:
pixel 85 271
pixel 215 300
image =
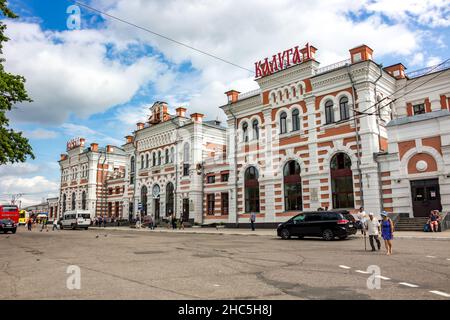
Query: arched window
pixel 172 155
pixel 144 193
pixel 142 162
pixel 344 108
pixel 132 167
pixel 329 112
pixel 147 160
pixel 159 158
pixel 74 201
pixel 245 132
pixel 170 199
pixel 154 159
pixel 166 159
pixel 283 122
pixel 295 120
pixel 186 159
pixel 341 181
pixel 286 93
pixel 255 126
pixel 64 206
pixel 292 186
pixel 83 200
pixel 251 190
pixel 274 97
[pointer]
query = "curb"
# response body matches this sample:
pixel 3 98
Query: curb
pixel 250 234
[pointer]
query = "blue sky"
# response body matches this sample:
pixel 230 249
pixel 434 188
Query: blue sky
pixel 97 82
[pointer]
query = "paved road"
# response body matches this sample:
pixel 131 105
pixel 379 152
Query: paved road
pixel 139 265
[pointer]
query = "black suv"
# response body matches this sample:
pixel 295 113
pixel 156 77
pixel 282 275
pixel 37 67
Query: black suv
pixel 325 224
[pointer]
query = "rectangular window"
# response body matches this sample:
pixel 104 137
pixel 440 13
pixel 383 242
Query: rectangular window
pixel 211 203
pixel 225 177
pixel 211 179
pixel 419 108
pixel 186 169
pixel 224 203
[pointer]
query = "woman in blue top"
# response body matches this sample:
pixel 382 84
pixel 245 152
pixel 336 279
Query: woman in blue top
pixel 387 232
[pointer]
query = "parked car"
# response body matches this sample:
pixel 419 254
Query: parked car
pixel 325 224
pixel 8 225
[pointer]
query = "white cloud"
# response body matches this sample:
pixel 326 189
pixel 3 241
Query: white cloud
pixel 18 169
pixel 76 130
pixel 432 61
pixel 69 72
pixel 32 189
pixel 41 134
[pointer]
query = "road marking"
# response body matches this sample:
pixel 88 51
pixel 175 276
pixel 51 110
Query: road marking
pixel 448 259
pixel 361 271
pixel 440 293
pixel 383 278
pixel 432 257
pixel 344 267
pixel 409 284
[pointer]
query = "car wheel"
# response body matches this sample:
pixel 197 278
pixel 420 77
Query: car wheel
pixel 285 234
pixel 327 235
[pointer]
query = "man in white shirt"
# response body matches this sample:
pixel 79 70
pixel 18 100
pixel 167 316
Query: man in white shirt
pixel 372 227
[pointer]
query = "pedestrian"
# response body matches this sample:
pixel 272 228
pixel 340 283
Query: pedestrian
pixel 150 222
pixel 372 226
pixel 55 224
pixel 29 224
pixel 169 224
pixel 44 224
pixel 104 222
pixel 252 220
pixel 387 232
pixel 138 222
pixel 181 222
pixel 174 222
pixel 434 218
pixel 362 218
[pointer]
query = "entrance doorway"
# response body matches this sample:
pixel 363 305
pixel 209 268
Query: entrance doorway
pixel 425 197
pixel 185 209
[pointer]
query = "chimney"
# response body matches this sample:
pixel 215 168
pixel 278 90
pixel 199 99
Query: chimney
pixel 94 147
pixel 140 125
pixel 308 53
pixel 82 141
pixel 181 112
pixel 361 53
pixel 63 156
pixel 232 95
pixel 109 149
pixel 129 139
pixel 396 70
pixel 197 117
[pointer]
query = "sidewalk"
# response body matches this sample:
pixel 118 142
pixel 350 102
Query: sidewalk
pixel 273 233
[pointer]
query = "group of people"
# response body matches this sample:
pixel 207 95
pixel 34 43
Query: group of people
pixel 42 222
pixel 100 221
pixel 371 226
pixel 172 222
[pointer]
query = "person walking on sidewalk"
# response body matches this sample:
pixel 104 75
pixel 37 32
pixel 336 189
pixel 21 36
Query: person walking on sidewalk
pixel 55 224
pixel 372 227
pixel 29 223
pixel 387 232
pixel 252 220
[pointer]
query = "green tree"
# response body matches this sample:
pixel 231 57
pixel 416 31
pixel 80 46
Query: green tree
pixel 13 146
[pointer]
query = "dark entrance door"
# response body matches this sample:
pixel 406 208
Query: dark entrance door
pixel 186 210
pixel 157 208
pixel 425 197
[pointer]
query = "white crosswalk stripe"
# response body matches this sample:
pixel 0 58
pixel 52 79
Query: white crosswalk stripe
pixel 440 293
pixel 408 284
pixel 344 267
pixel 382 278
pixel 361 271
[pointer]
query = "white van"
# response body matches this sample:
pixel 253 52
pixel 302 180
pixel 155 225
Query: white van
pixel 80 219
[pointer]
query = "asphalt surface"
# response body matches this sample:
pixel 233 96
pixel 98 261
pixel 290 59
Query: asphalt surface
pixel 153 265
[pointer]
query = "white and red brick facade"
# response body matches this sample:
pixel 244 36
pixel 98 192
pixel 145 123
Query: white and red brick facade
pixel 342 136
